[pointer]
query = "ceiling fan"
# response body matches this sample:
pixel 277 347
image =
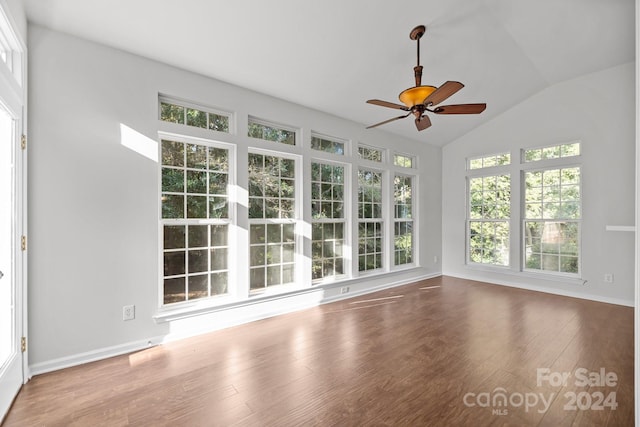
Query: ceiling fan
pixel 420 99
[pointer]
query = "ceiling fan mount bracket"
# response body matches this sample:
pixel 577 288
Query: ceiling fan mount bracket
pixel 417 32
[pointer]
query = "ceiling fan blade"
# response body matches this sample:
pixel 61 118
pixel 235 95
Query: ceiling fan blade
pixel 460 109
pixel 387 104
pixel 387 121
pixel 423 122
pixel 443 92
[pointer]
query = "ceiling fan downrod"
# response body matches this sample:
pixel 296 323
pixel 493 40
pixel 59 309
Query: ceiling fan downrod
pixel 416 34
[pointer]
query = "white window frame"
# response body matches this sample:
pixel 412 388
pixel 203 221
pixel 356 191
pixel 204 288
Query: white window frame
pixel 383 154
pixel 299 281
pixel 296 131
pixel 231 223
pixel 543 166
pixel 345 220
pixel 489 172
pixel 162 98
pixel 345 144
pixel 411 220
pixel 382 224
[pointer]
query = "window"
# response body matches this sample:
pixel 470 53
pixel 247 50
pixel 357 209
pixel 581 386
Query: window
pixel 181 113
pixel 552 220
pixel 195 220
pixel 370 153
pixel 403 220
pixel 552 152
pixel 488 223
pixel 490 161
pixel 403 161
pixel 328 145
pixel 370 225
pixel 269 132
pixel 328 227
pixel 272 214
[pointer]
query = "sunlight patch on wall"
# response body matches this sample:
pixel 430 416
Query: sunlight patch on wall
pixel 138 142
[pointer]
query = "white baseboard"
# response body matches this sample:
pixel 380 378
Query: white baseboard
pixel 210 322
pixel 91 356
pixel 554 291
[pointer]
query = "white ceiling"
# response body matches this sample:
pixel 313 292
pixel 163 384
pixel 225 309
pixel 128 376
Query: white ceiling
pixel 333 55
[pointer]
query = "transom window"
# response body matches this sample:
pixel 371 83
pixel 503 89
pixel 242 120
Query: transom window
pixel 176 112
pixel 403 160
pixel 490 161
pixel 328 145
pixel 552 152
pixel 370 153
pixel 552 220
pixel 195 220
pixel 270 132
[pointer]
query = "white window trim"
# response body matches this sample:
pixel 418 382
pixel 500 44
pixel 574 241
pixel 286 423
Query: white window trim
pixel 167 99
pixel 296 130
pixel 346 144
pixel 540 166
pixel 481 173
pixel 231 221
pixel 299 282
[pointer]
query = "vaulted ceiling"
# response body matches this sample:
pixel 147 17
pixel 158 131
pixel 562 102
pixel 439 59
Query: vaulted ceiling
pixel 333 55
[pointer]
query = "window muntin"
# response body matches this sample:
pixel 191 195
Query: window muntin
pixel 552 220
pixel 370 227
pixel 552 152
pixel 181 113
pixel 492 160
pixel 370 153
pixel 195 218
pixel 328 224
pixel 403 220
pixel 272 213
pixel 270 132
pixel 403 160
pixel 488 225
pixel 328 145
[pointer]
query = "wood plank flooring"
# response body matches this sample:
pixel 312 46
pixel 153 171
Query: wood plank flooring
pixel 441 352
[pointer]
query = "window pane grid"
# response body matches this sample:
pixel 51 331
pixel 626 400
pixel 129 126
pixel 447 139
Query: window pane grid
pixel 271 133
pixel 552 152
pixel 327 205
pixel 194 180
pixel 370 245
pixel 327 145
pixel 195 261
pixel 271 187
pixel 488 224
pixel 490 161
pixel 552 220
pixel 370 153
pixel 403 226
pixel 370 235
pixel 176 113
pixel 271 254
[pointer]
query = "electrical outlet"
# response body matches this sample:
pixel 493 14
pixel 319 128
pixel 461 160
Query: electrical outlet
pixel 608 278
pixel 435 259
pixel 128 312
pixel 344 289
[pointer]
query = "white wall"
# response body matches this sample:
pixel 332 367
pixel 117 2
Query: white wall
pixel 599 110
pixel 93 202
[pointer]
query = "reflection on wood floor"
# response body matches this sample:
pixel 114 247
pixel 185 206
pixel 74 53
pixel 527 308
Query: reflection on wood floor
pixel 443 351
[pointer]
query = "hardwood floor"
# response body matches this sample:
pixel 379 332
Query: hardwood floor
pixel 439 352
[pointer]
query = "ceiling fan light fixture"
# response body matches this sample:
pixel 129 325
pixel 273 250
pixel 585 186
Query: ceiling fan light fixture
pixel 415 95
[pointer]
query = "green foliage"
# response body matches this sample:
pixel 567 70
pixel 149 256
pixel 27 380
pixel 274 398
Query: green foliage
pixel 260 131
